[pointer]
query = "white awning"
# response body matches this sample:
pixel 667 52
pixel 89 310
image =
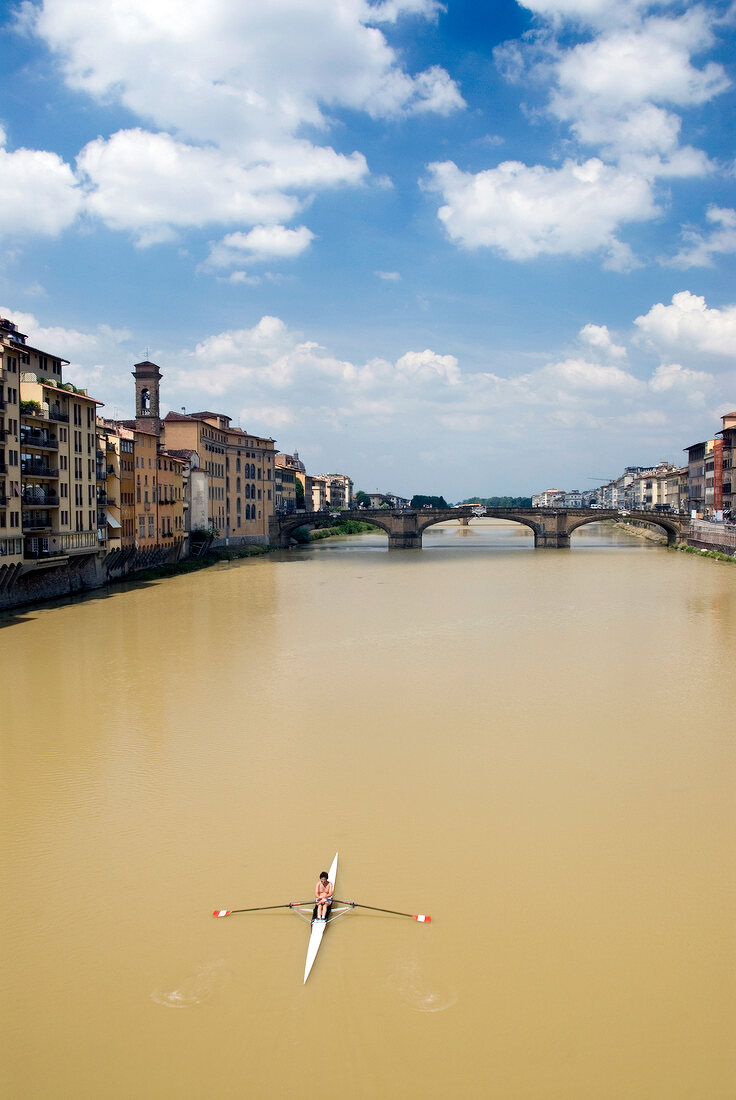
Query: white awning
pixel 111 519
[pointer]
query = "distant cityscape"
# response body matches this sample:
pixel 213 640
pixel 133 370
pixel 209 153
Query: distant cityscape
pixel 102 497
pixel 702 488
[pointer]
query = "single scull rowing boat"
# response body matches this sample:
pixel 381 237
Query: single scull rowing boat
pixel 308 913
pixel 317 929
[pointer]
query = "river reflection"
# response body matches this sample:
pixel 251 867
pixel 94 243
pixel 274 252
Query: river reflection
pixel 534 746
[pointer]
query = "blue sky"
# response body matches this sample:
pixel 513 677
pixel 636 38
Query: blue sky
pixel 448 248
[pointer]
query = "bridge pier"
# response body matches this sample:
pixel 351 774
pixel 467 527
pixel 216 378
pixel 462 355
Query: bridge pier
pixel 404 533
pixel 406 541
pixel 552 533
pixel 558 540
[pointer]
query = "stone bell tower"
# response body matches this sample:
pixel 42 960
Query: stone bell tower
pixel 147 377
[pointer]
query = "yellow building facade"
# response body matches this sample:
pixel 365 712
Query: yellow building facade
pixel 51 456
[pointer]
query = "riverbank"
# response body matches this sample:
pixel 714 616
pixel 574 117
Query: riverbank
pixel 639 531
pixel 347 527
pixel 703 540
pixel 702 552
pixel 192 565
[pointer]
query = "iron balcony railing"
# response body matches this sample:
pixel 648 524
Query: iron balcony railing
pixel 35 555
pixel 36 523
pixel 37 470
pixel 57 414
pixel 36 500
pixel 40 440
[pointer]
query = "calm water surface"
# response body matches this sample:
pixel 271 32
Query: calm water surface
pixel 534 747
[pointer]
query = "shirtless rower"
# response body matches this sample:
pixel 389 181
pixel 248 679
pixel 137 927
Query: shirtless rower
pixel 323 892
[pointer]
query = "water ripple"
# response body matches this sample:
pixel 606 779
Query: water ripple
pixel 209 979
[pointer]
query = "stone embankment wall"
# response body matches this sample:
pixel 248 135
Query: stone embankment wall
pixel 54 582
pixel 232 543
pixel 78 574
pixel 712 536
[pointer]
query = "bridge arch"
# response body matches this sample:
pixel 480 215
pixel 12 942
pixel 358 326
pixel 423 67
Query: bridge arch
pixel 671 529
pixel 288 524
pixel 490 513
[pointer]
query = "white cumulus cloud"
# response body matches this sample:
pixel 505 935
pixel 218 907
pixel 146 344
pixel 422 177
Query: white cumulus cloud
pixel 700 248
pixel 524 211
pixel 264 242
pixel 39 193
pixel 688 325
pixel 224 93
pixel 230 72
pixel 598 336
pixel 673 376
pixel 616 88
pixel 152 184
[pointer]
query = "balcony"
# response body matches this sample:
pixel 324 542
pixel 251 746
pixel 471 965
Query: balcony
pixel 31 499
pixel 3 500
pixel 110 448
pixel 42 555
pixel 33 469
pixel 3 468
pixel 36 522
pixel 3 435
pixel 41 441
pixel 101 499
pixel 56 414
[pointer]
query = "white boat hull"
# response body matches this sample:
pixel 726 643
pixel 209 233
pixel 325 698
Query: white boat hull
pixel 317 929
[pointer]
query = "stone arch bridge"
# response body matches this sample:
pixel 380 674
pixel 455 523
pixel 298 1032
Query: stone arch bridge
pixel 552 527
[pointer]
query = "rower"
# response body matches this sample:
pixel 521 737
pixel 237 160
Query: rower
pixel 323 892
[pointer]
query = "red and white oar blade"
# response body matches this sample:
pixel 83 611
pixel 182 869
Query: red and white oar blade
pixel 423 917
pixel 222 912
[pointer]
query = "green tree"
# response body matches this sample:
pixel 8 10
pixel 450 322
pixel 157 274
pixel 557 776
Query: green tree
pixel 499 502
pixel 418 501
pixel 299 494
pixel 362 500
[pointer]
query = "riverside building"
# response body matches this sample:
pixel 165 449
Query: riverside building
pixel 49 468
pixel 239 485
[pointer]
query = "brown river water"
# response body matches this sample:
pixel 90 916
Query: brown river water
pixel 535 747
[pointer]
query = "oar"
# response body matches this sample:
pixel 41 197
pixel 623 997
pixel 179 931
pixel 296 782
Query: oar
pixel 258 908
pixel 424 918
